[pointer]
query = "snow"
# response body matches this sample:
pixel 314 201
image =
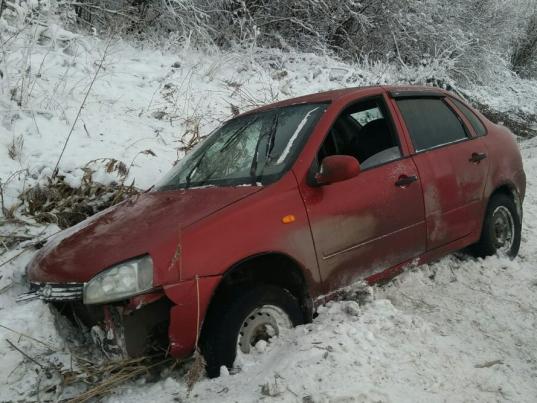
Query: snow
pixel 509 95
pixel 32 329
pixel 456 330
pixel 292 140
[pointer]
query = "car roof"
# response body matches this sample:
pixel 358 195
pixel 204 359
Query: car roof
pixel 333 95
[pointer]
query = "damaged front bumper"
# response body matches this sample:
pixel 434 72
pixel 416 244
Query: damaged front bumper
pixel 122 329
pixel 169 318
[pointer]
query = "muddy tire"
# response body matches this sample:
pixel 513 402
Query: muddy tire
pixel 256 313
pixel 501 228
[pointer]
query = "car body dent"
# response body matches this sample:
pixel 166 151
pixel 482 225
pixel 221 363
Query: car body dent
pixel 508 167
pixel 191 300
pixel 148 223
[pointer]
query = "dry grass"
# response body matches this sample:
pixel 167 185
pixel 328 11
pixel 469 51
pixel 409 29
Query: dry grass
pixel 9 212
pixel 14 150
pixel 105 378
pixel 191 136
pixel 196 371
pixel 59 203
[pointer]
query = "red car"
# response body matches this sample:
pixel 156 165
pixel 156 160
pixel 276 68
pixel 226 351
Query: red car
pixel 279 208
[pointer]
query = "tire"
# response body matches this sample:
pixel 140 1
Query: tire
pixel 219 340
pixel 501 208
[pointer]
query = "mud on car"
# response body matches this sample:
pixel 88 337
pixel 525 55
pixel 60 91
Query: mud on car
pixel 279 208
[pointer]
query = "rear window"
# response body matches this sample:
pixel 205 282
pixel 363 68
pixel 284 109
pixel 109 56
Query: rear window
pixel 430 122
pixel 479 128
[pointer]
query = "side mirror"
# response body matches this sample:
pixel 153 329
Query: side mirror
pixel 337 168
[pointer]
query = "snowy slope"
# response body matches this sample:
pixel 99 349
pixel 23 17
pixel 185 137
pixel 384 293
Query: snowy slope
pixel 139 98
pixel 457 330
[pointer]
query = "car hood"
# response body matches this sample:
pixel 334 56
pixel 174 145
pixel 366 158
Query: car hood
pixel 147 223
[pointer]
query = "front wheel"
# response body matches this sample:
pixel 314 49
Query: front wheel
pixel 257 313
pixel 501 228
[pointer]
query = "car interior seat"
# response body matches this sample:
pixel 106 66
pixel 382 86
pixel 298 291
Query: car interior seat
pixel 373 138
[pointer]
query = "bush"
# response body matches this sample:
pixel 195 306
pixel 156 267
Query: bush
pixel 472 37
pixel 524 56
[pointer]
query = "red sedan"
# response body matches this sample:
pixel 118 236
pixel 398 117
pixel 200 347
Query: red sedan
pixel 279 208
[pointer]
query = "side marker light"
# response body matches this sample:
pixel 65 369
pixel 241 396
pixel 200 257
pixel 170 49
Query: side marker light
pixel 288 219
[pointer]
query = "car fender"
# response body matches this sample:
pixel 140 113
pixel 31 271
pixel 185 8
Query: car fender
pixel 252 227
pixel 191 299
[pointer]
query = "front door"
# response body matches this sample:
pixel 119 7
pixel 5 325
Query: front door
pixel 375 220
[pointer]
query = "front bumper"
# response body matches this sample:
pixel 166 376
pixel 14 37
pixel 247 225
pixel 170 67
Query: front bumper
pixel 125 327
pixel 121 329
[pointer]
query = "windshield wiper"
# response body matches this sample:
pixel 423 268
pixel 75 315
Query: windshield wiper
pixel 196 165
pixel 268 149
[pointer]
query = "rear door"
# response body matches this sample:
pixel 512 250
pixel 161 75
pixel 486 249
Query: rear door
pixel 375 220
pixel 452 165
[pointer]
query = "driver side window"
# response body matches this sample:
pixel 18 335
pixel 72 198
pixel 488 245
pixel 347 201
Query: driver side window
pixel 364 132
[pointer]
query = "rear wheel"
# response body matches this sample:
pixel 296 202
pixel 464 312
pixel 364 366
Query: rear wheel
pixel 501 228
pixel 258 313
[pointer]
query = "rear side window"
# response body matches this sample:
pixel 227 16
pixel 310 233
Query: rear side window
pixel 479 128
pixel 430 122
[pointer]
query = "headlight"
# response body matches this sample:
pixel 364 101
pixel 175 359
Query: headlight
pixel 124 280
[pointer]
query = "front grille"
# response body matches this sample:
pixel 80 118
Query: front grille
pixel 53 292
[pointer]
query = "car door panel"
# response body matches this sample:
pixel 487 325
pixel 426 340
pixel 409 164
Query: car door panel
pixel 366 224
pixel 453 189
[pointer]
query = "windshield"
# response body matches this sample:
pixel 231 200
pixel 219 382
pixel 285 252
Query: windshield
pixel 251 149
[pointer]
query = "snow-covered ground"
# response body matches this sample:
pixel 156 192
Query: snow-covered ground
pixel 457 330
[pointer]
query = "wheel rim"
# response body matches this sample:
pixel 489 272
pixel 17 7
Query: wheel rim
pixel 503 229
pixel 261 324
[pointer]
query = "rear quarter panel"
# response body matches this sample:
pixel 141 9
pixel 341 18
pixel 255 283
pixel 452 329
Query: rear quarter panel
pixel 506 167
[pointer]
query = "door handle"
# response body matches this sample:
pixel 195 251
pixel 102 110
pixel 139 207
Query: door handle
pixel 476 158
pixel 405 181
